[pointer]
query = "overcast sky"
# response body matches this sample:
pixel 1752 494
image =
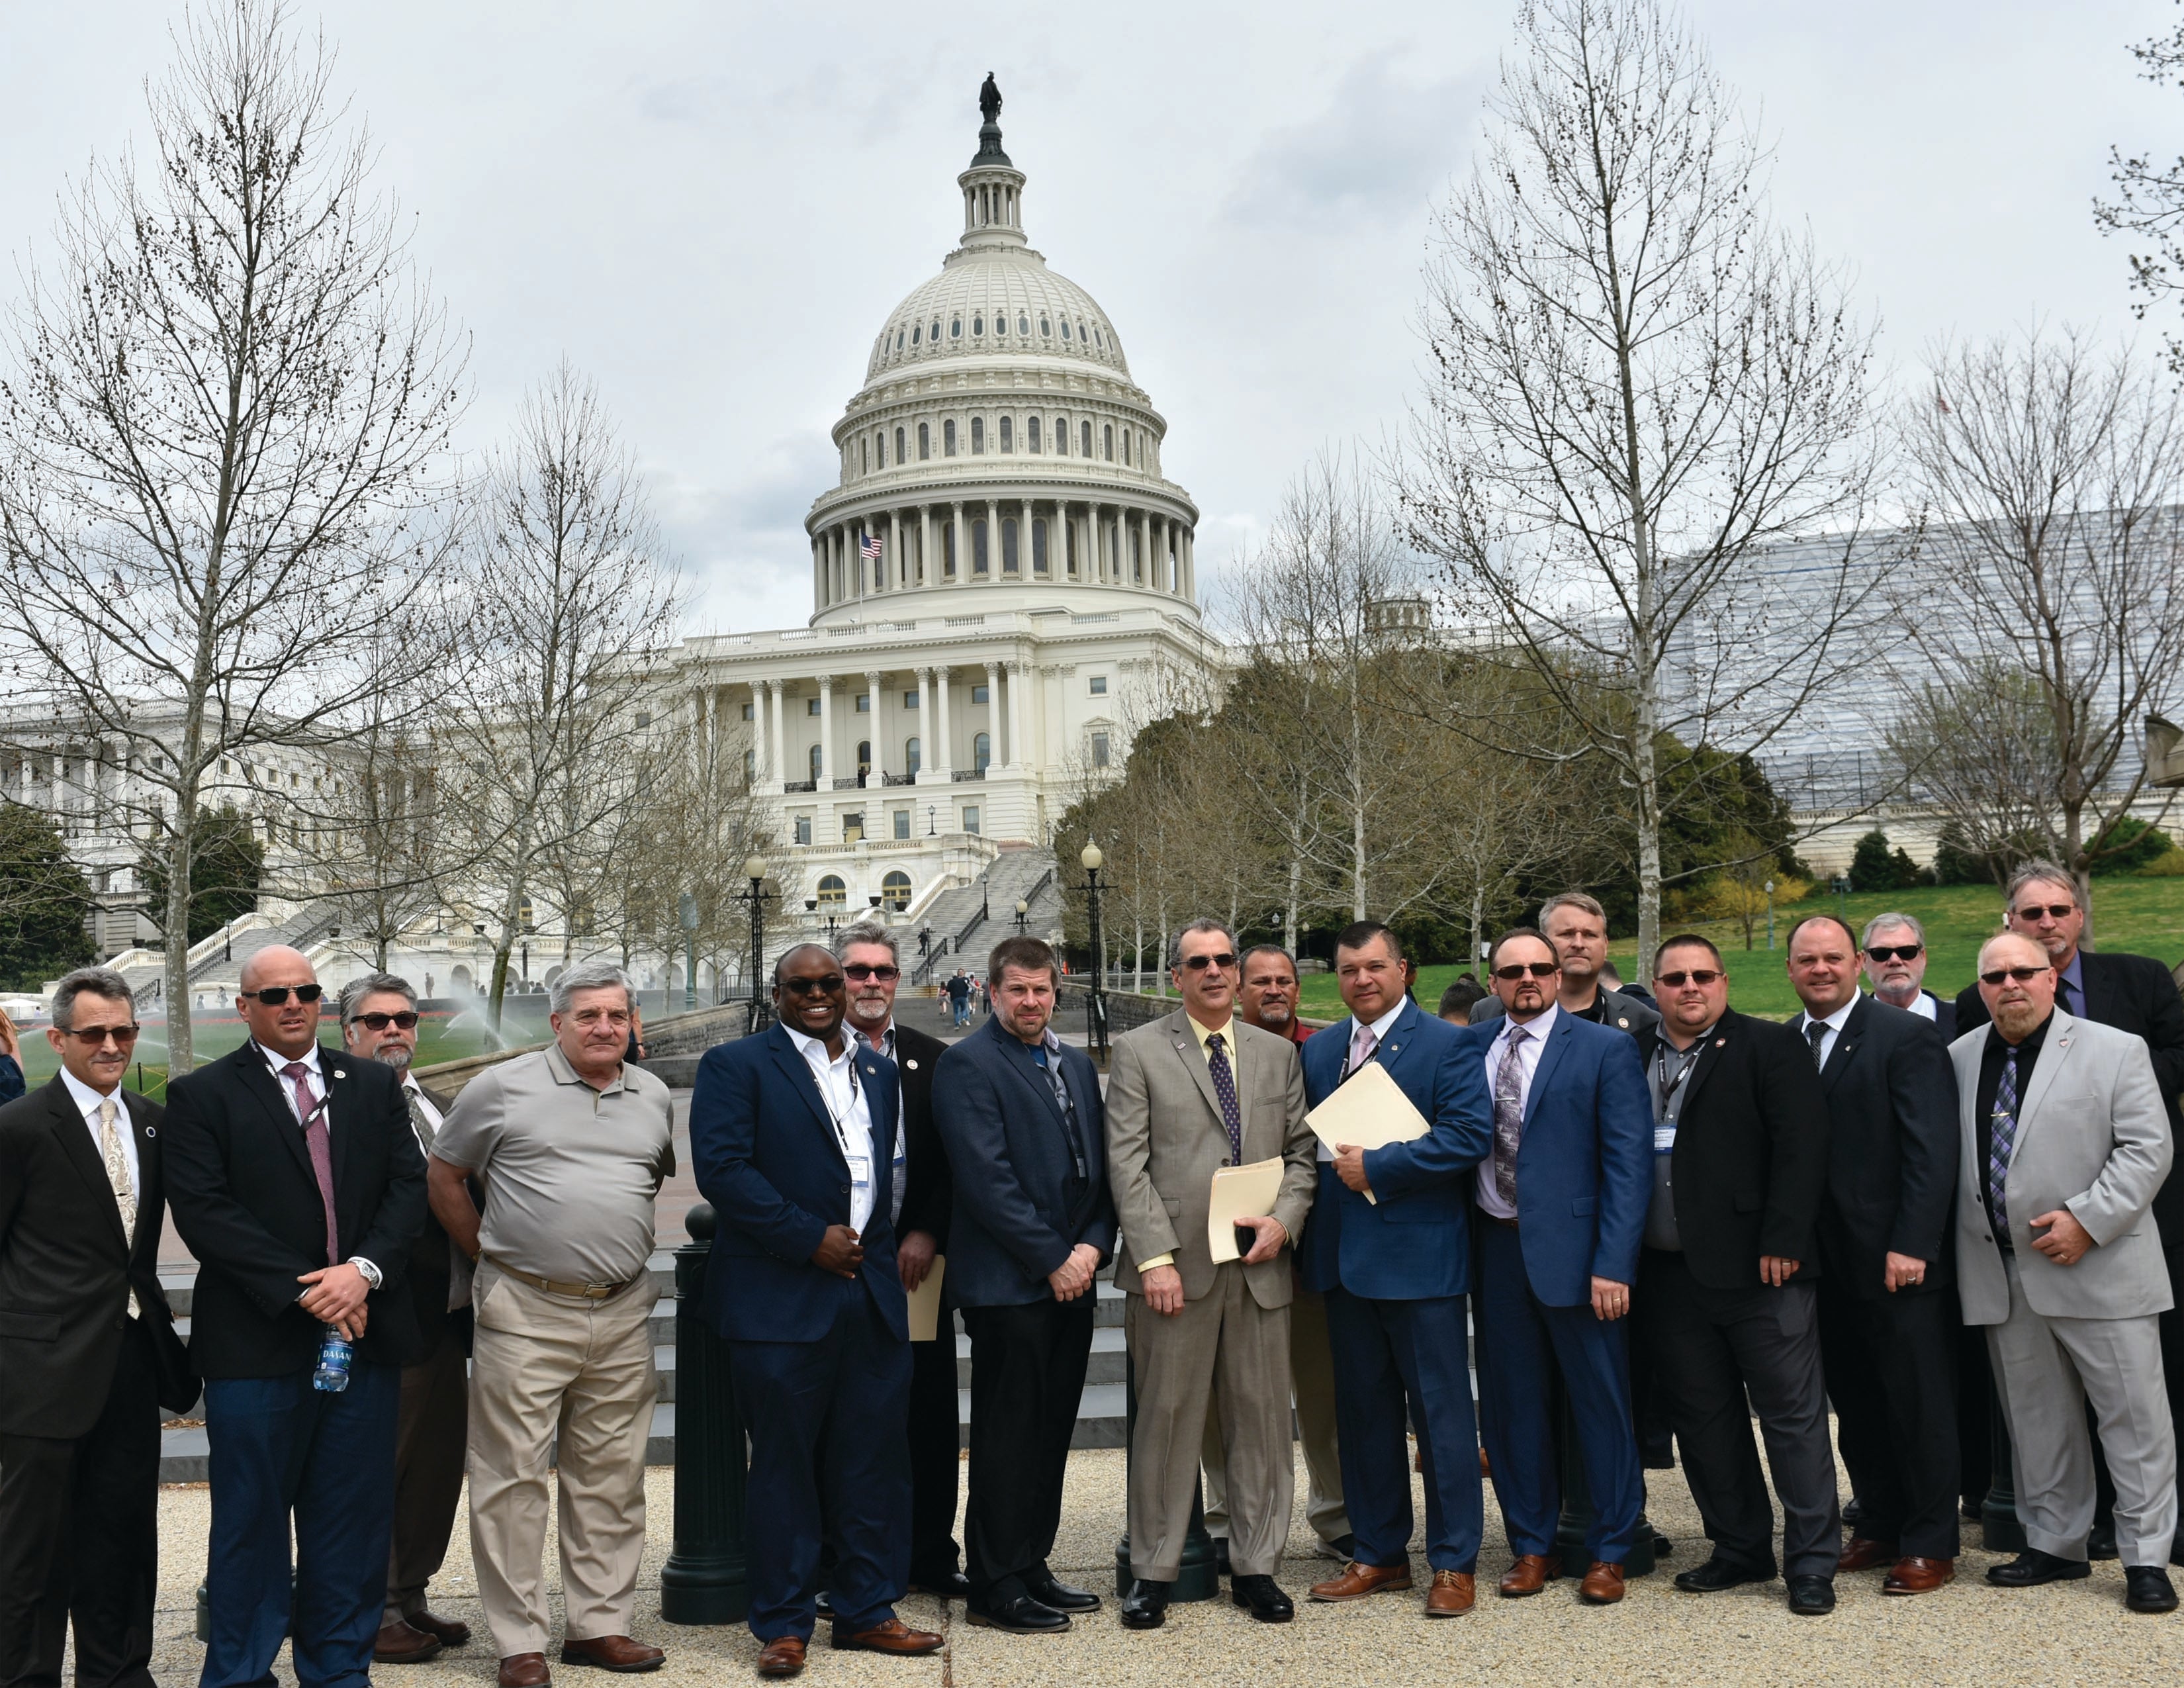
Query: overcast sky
pixel 711 207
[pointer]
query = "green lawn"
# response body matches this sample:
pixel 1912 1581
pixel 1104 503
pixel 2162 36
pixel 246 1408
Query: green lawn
pixel 2145 916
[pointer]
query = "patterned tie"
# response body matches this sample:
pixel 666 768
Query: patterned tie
pixel 2002 1140
pixel 1225 1086
pixel 1817 1031
pixel 117 1174
pixel 1362 1042
pixel 419 1121
pixel 321 1147
pixel 1508 1115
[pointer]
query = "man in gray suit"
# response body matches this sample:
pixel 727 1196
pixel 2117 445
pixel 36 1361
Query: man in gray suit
pixel 2066 1141
pixel 1186 1095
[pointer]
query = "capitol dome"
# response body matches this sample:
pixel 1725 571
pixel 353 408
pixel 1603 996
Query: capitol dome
pixel 997 444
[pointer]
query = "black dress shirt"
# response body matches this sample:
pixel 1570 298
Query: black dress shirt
pixel 1990 1080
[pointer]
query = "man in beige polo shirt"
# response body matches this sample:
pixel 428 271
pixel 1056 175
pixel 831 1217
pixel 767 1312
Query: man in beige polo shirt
pixel 569 1146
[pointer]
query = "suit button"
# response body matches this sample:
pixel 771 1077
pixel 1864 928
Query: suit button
pixel 845 1189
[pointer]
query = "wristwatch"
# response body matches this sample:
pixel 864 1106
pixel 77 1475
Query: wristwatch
pixel 371 1274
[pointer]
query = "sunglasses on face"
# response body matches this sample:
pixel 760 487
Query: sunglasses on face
pixel 1199 964
pixel 95 1037
pixel 818 987
pixel 2052 910
pixel 379 1023
pixel 1538 970
pixel 1698 976
pixel 858 972
pixel 2020 974
pixel 1897 952
pixel 275 994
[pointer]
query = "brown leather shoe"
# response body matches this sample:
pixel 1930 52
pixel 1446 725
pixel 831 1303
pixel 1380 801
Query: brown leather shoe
pixel 612 1653
pixel 1358 1580
pixel 1530 1573
pixel 1915 1575
pixel 1863 1554
pixel 783 1656
pixel 1603 1585
pixel 1450 1596
pixel 400 1644
pixel 895 1636
pixel 524 1670
pixel 450 1633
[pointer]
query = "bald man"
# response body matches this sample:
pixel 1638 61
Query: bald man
pixel 296 1265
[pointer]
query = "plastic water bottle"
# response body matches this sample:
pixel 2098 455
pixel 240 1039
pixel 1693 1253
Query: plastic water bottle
pixel 334 1356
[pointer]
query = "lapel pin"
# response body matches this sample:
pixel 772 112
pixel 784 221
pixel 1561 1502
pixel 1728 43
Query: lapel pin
pixel 1721 1043
pixel 151 1131
pixel 911 1064
pixel 338 1073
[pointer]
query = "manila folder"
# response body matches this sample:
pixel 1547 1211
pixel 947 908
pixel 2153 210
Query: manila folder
pixel 1239 1192
pixel 925 1303
pixel 1370 1112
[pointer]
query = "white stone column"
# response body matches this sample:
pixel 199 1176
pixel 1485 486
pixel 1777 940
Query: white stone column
pixel 818 573
pixel 872 678
pixel 1190 564
pixel 892 564
pixel 993 542
pixel 774 688
pixel 826 732
pixel 962 546
pixel 924 722
pixel 925 577
pixel 1020 755
pixel 993 758
pixel 942 764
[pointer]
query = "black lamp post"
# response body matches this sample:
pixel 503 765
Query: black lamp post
pixel 687 907
pixel 1023 917
pixel 1096 1019
pixel 755 872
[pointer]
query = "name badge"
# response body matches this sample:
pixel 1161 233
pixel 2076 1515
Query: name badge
pixel 861 1171
pixel 1664 1137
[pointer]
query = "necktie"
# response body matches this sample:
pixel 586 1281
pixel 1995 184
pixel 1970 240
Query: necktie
pixel 419 1121
pixel 1508 1115
pixel 1817 1031
pixel 117 1174
pixel 1225 1086
pixel 320 1144
pixel 2001 1141
pixel 1362 1042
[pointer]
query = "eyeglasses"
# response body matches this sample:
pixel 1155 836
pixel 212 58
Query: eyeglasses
pixel 1696 976
pixel 808 987
pixel 2019 974
pixel 1199 964
pixel 1538 970
pixel 379 1023
pixel 2052 910
pixel 858 972
pixel 1897 952
pixel 95 1037
pixel 275 994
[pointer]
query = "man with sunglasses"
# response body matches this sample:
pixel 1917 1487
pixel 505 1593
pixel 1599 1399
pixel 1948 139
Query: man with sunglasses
pixel 1726 1299
pixel 296 1180
pixel 1577 926
pixel 379 1023
pixel 2065 1142
pixel 1894 956
pixel 88 1353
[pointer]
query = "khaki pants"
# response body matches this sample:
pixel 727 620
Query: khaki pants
pixel 543 1364
pixel 1311 1376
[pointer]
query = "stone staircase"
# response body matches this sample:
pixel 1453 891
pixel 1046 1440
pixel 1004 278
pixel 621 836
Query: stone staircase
pixel 968 921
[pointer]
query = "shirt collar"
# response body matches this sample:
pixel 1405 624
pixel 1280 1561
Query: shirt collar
pixel 88 1100
pixel 1226 1031
pixel 1537 1027
pixel 2032 1038
pixel 812 1048
pixel 309 1057
pixel 2075 974
pixel 883 1041
pixel 557 1063
pixel 1836 1021
pixel 1387 1022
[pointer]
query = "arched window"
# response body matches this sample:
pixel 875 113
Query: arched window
pixel 865 456
pixel 897 339
pixel 978 435
pixel 1033 433
pixel 863 760
pixel 978 325
pixel 955 328
pixel 913 757
pixel 1023 324
pixel 915 333
pixel 1107 434
pixel 1099 339
pixel 1125 445
pixel 982 751
pixel 1060 438
pixel 924 441
pixel 935 336
pixel 1084 438
pixel 1065 328
pixel 901 455
pixel 1045 328
pixel 879 449
pixel 1008 433
pixel 833 892
pixel 815 761
pixel 947 437
pixel 978 548
pixel 1039 546
pixel 1008 545
pixel 894 890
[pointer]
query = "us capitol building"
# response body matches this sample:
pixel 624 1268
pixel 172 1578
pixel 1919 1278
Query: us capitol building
pixel 1000 566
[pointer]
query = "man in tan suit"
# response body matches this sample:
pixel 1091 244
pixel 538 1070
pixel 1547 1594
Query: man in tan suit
pixel 1187 1095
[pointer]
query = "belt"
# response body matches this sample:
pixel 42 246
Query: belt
pixel 590 1292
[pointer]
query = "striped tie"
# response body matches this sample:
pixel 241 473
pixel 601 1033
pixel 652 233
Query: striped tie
pixel 2002 1142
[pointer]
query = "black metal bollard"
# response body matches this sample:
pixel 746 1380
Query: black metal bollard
pixel 2000 1530
pixel 1199 1576
pixel 706 1579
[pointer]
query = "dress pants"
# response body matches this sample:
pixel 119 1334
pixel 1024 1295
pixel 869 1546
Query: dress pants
pixel 1394 1358
pixel 1224 1334
pixel 1311 1386
pixel 1028 1365
pixel 280 1446
pixel 936 1446
pixel 1711 1349
pixel 2172 1371
pixel 829 1464
pixel 2047 1369
pixel 559 1381
pixel 79 1535
pixel 1891 1362
pixel 432 1435
pixel 1522 1345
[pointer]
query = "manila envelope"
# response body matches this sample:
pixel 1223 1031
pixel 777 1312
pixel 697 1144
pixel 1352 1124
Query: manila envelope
pixel 1239 1191
pixel 1370 1111
pixel 925 1303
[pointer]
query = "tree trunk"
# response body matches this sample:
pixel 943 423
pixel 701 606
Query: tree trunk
pixel 175 970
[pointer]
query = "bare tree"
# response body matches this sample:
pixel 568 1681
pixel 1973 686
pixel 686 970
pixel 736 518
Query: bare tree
pixel 2149 201
pixel 218 441
pixel 2050 606
pixel 1638 386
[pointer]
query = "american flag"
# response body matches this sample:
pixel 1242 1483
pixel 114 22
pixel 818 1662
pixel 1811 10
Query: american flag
pixel 870 548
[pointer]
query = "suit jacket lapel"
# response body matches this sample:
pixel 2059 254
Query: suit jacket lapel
pixel 1391 1047
pixel 75 1139
pixel 1184 1037
pixel 1564 1029
pixel 792 1061
pixel 2055 1049
pixel 1017 1055
pixel 258 1079
pixel 1709 1058
pixel 1847 1039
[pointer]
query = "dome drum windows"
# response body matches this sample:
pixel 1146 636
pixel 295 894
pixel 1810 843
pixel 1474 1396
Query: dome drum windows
pixel 977 324
pixel 955 328
pixel 1060 438
pixel 1065 328
pixel 924 441
pixel 1046 328
pixel 1032 433
pixel 978 435
pixel 1085 439
pixel 915 333
pixel 1039 564
pixel 947 437
pixel 1107 434
pixel 1023 324
pixel 978 555
pixel 1008 433
pixel 1009 564
pixel 901 456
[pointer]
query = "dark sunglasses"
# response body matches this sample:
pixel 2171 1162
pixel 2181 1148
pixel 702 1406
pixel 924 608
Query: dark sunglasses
pixel 95 1037
pixel 2020 974
pixel 2052 910
pixel 275 994
pixel 858 972
pixel 1696 976
pixel 818 987
pixel 1897 952
pixel 1199 964
pixel 379 1023
pixel 1538 970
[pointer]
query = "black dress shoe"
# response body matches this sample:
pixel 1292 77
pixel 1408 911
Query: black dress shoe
pixel 1853 1509
pixel 1221 1555
pixel 2032 1568
pixel 1146 1606
pixel 1970 1511
pixel 1265 1601
pixel 825 1607
pixel 2146 1588
pixel 2100 1541
pixel 1812 1596
pixel 1718 1573
pixel 944 1585
pixel 1018 1614
pixel 1060 1595
pixel 1662 1548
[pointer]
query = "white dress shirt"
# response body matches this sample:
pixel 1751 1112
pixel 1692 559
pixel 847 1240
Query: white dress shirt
pixel 884 1045
pixel 851 1113
pixel 89 1100
pixel 1528 1063
pixel 412 1095
pixel 1834 1023
pixel 1922 1004
pixel 314 1081
pixel 1380 1028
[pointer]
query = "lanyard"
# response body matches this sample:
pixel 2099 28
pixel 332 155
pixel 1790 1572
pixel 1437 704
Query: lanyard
pixel 827 1100
pixel 1671 1084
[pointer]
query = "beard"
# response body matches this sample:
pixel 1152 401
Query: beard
pixel 398 1058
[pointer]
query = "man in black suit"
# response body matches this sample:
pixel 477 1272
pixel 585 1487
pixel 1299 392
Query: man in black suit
pixel 296 1180
pixel 1028 1235
pixel 2133 994
pixel 379 1023
pixel 1895 960
pixel 1888 1310
pixel 88 1354
pixel 921 1194
pixel 1726 1299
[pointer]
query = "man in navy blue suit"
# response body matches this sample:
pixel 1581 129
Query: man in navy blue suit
pixel 1388 1244
pixel 792 1133
pixel 1020 1114
pixel 1562 1198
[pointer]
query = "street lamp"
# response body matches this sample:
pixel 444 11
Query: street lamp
pixel 1095 1022
pixel 755 872
pixel 1023 917
pixel 1770 914
pixel 688 908
pixel 931 829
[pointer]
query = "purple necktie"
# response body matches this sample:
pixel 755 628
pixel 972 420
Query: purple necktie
pixel 321 1147
pixel 1225 1087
